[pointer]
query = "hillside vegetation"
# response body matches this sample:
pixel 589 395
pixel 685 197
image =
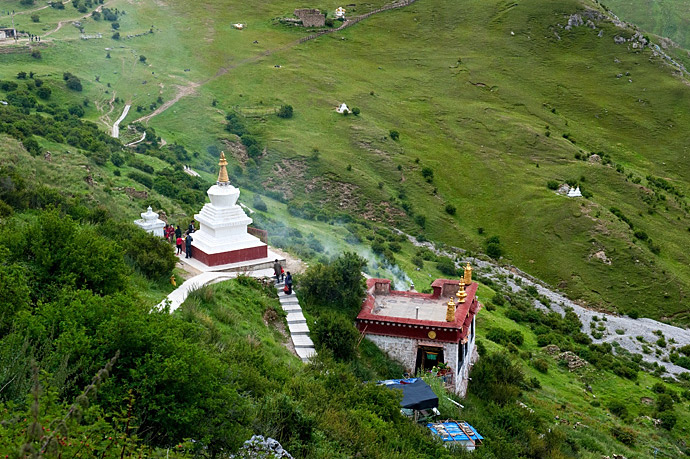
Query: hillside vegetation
pixel 491 100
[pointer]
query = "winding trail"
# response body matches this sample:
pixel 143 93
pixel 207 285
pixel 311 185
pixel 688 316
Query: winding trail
pixel 131 144
pixel 633 335
pixel 191 88
pixel 116 124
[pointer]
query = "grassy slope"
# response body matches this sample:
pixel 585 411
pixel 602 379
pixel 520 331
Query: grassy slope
pixel 483 141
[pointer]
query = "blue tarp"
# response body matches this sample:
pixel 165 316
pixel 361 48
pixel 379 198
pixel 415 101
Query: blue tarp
pixel 450 431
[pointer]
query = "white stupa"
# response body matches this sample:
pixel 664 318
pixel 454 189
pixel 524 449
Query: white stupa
pixel 340 12
pixel 342 108
pixel 150 222
pixel 574 192
pixel 222 237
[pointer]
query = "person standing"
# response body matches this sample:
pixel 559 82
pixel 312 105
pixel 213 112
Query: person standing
pixel 178 232
pixel 179 244
pixel 191 228
pixel 288 283
pixel 188 246
pixel 277 270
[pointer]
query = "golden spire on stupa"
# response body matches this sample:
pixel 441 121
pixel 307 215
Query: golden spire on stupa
pixel 223 174
pixel 468 274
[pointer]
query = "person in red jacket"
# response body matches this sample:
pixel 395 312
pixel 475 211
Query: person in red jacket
pixel 179 245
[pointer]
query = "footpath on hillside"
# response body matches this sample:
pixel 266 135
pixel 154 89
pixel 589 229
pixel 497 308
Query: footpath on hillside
pixel 195 279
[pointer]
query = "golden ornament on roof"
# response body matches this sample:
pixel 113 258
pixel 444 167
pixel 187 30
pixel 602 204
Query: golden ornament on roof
pixel 450 312
pixel 223 174
pixel 462 294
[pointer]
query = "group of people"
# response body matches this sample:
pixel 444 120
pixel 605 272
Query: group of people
pixel 281 275
pixel 174 235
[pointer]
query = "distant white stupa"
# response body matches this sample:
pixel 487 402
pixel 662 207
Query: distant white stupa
pixel 222 237
pixel 342 109
pixel 150 222
pixel 574 192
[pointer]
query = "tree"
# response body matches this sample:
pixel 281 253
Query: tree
pixel 336 333
pixel 44 92
pixel 116 36
pixel 285 111
pixel 115 25
pixel 96 15
pixel 142 58
pixel 428 173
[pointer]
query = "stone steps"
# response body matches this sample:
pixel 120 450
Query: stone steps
pixel 297 323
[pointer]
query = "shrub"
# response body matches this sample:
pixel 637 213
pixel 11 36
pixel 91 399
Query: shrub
pixel 285 111
pixel 618 409
pixel 395 135
pixel 668 419
pixel 356 111
pixel 259 203
pixel 427 173
pixel 552 185
pixel 541 365
pixel 420 220
pixel 446 266
pixel 36 54
pixel 624 435
pixel 639 234
pixel 664 402
pixel 494 251
pixel 498 299
pixel 450 209
pixel 497 378
pixel 418 261
pixel 336 333
pixel 116 36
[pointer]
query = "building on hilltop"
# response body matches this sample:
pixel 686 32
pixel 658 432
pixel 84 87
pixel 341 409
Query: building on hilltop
pixel 6 33
pixel 311 17
pixel 425 330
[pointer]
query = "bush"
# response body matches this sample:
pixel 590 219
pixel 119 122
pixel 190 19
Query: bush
pixel 446 266
pixel 418 261
pixel 450 209
pixel 285 111
pixel 498 299
pixel 420 220
pixel 395 135
pixel 427 173
pixel 541 365
pixel 624 435
pixel 552 185
pixel 668 419
pixel 618 409
pixel 35 18
pixel 356 111
pixel 259 203
pixel 336 333
pixel 36 54
pixel 664 402
pixel 497 378
pixel 142 58
pixel 494 251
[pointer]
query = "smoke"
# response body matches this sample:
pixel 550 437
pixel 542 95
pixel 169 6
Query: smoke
pixel 383 268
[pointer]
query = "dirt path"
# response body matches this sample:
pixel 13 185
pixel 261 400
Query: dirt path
pixel 184 91
pixel 116 125
pixel 633 335
pixel 67 21
pixel 65 2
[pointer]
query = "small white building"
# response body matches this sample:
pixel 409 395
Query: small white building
pixel 340 12
pixel 342 108
pixel 150 222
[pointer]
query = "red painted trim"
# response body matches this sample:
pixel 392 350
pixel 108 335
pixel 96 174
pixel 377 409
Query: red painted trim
pixel 233 256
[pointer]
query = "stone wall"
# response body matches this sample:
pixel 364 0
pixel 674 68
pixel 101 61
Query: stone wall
pixel 311 17
pixel 403 350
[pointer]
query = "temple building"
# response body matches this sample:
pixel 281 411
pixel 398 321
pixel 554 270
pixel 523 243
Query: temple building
pixel 425 330
pixel 223 239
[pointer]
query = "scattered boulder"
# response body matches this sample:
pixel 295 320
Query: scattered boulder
pixel 575 20
pixel 618 40
pixel 552 349
pixel 594 158
pixel 259 447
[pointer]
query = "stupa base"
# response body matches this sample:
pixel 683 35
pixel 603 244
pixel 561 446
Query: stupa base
pixel 198 261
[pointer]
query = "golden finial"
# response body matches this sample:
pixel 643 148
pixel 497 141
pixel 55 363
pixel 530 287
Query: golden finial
pixel 461 291
pixel 223 174
pixel 450 313
pixel 468 274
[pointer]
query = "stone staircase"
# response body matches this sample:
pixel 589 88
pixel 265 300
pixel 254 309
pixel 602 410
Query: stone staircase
pixel 297 324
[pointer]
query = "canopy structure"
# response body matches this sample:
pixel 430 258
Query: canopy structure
pixel 417 395
pixel 456 433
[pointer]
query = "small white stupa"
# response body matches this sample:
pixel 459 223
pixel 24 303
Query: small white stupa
pixel 342 109
pixel 150 222
pixel 340 12
pixel 574 192
pixel 222 237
